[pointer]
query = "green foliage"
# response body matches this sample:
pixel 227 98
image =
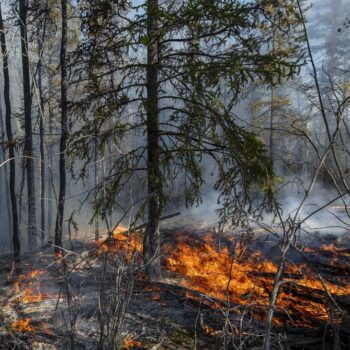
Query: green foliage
pixel 209 51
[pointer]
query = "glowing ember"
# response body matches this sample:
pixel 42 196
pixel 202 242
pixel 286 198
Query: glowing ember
pixel 328 248
pixel 210 330
pixel 23 326
pixel 58 255
pixel 155 296
pixel 129 344
pixel 338 252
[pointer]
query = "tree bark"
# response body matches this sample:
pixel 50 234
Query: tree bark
pixel 97 230
pixel 272 110
pixel 28 141
pixel 42 145
pixel 5 196
pixel 272 117
pixel 63 140
pixel 15 229
pixel 20 199
pixel 50 162
pixel 151 247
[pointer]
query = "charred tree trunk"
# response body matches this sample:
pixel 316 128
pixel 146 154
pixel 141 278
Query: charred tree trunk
pixel 63 141
pixel 28 142
pixel 272 117
pixel 42 178
pixel 49 160
pixel 152 235
pixel 272 111
pixel 10 143
pixel 11 147
pixel 97 230
pixel 42 145
pixel 21 189
pixel 4 185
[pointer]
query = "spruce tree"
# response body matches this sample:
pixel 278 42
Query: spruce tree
pixel 156 71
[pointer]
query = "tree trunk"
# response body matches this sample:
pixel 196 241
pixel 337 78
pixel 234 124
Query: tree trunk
pixel 28 141
pixel 50 162
pixel 97 230
pixel 272 117
pixel 151 249
pixel 272 110
pixel 272 121
pixel 20 199
pixel 42 145
pixel 15 230
pixel 63 141
pixel 5 197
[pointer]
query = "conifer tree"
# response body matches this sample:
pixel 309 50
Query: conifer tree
pixel 155 71
pixel 10 142
pixel 28 140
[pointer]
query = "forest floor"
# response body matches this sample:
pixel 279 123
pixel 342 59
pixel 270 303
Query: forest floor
pixel 46 302
pixel 35 315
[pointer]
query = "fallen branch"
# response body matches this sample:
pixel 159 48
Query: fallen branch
pixel 14 297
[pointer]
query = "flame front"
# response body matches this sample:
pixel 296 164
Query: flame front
pixel 245 278
pixel 249 280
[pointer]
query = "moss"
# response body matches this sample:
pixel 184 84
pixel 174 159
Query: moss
pixel 2 317
pixel 181 337
pixel 8 327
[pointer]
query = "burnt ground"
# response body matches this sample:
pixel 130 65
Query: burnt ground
pixel 160 315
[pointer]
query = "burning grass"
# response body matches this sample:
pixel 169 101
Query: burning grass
pixel 245 277
pixel 248 279
pixel 31 287
pixel 23 326
pixel 233 275
pixel 121 243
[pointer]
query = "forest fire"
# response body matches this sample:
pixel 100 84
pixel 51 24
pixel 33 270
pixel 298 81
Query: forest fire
pixel 216 132
pixel 236 276
pixel 246 277
pixel 197 269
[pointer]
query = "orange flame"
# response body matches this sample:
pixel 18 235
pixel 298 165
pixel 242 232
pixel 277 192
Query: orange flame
pixel 248 279
pixel 31 287
pixel 121 242
pixel 58 255
pixel 243 277
pixel 23 326
pixel 155 296
pixel 129 343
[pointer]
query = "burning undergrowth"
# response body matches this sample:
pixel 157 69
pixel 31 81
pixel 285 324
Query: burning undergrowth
pixel 23 325
pixel 121 243
pixel 245 277
pixel 222 276
pixel 230 273
pixel 30 287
